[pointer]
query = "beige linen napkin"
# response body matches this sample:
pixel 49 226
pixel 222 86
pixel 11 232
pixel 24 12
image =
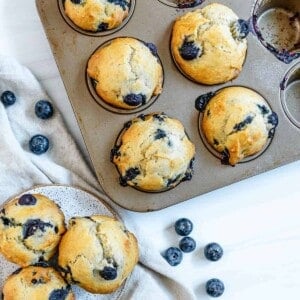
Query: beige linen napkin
pixel 20 169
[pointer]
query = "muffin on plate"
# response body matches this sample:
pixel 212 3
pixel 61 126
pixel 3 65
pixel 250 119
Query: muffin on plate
pixel 97 253
pixel 31 227
pixel 126 72
pixel 97 15
pixel 237 122
pixel 36 282
pixel 153 153
pixel 209 45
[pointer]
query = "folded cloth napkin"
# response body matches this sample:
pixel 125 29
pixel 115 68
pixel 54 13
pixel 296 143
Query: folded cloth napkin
pixel 20 169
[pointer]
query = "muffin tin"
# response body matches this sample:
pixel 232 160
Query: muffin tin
pixel 275 77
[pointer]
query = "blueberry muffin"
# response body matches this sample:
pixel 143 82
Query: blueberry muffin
pixel 237 122
pixel 126 72
pixel 153 153
pixel 36 283
pixel 31 227
pixel 97 253
pixel 209 45
pixel 97 15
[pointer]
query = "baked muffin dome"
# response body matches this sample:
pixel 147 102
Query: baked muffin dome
pixel 237 122
pixel 153 153
pixel 127 72
pixel 209 44
pixel 97 15
pixel 36 282
pixel 97 253
pixel 31 227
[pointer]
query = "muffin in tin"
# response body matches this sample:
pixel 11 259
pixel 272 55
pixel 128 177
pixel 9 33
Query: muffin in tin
pixel 237 122
pixel 97 253
pixel 97 15
pixel 209 45
pixel 126 72
pixel 153 153
pixel 31 227
pixel 36 282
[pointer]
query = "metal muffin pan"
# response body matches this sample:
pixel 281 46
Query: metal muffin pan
pixel 151 21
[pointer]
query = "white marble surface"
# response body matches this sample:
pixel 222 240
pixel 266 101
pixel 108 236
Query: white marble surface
pixel 257 220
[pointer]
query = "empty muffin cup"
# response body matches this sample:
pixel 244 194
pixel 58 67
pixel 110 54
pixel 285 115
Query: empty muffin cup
pixel 290 94
pixel 125 75
pixel 182 3
pixel 94 18
pixel 277 26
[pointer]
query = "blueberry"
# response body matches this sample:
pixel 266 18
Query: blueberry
pixel 263 109
pixel 202 101
pixel 160 134
pixel 273 119
pixel 123 3
pixel 183 226
pixel 225 156
pixel 39 144
pixel 76 1
pixel 31 226
pixel 132 173
pixel 108 273
pixel 102 27
pixel 172 181
pixel 8 98
pixel 135 99
pixel 215 287
pixel 242 125
pixel 152 48
pixel 240 29
pixel 188 3
pixel 213 251
pixel 59 294
pixel 187 244
pixel 43 109
pixel 189 50
pixel 27 199
pixel 173 256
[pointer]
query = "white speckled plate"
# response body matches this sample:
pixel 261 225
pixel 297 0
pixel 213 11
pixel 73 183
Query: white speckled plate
pixel 73 202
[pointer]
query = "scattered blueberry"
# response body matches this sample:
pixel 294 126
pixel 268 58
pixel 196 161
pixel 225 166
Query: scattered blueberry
pixel 76 1
pixel 202 101
pixel 189 50
pixel 39 144
pixel 225 156
pixel 27 199
pixel 264 110
pixel 240 29
pixel 242 125
pixel 102 27
pixel 187 244
pixel 213 251
pixel 173 256
pixel 60 294
pixel 108 273
pixel 215 287
pixel 43 109
pixel 135 99
pixel 273 119
pixel 183 226
pixel 8 98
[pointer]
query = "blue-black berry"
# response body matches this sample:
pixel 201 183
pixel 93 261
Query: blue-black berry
pixel 109 273
pixel 202 101
pixel 213 251
pixel 183 226
pixel 76 1
pixel 173 256
pixel 39 144
pixel 135 99
pixel 187 244
pixel 27 199
pixel 8 98
pixel 189 50
pixel 43 109
pixel 215 287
